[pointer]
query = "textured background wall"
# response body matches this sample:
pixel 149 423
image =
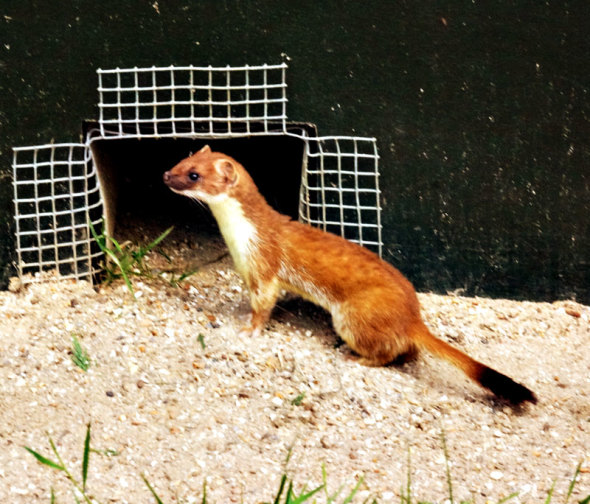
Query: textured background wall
pixel 480 109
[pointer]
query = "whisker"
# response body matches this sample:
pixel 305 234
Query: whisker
pixel 198 201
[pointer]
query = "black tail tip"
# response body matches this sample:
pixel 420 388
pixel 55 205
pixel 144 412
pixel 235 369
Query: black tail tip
pixel 506 388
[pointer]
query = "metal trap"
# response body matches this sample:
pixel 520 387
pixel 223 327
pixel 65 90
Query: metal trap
pixel 150 118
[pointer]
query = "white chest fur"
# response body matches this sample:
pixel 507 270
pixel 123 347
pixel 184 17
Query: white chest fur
pixel 238 232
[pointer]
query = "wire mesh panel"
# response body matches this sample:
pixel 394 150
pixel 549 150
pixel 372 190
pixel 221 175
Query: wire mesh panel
pixel 56 194
pixel 209 101
pixel 340 189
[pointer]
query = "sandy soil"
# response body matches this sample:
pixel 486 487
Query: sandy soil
pixel 178 397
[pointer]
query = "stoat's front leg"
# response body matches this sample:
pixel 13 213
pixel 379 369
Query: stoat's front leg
pixel 263 297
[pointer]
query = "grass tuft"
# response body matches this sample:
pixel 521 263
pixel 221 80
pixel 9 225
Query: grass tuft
pixel 128 261
pixel 298 400
pixel 80 487
pixel 79 356
pixel 286 493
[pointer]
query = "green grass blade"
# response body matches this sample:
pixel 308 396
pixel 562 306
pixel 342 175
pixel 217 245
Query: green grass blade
pixel 122 268
pixel 585 501
pixel 85 458
pixel 305 497
pixel 158 240
pixel 116 244
pixel 506 499
pixel 329 498
pixel 204 500
pixel 102 243
pixel 158 500
pixel 52 498
pixel 550 493
pixel 100 240
pixel 448 470
pixel 288 457
pixel 573 482
pixel 44 460
pixel 289 498
pixel 407 498
pixel 281 488
pixel 165 256
pixel 186 274
pixel 354 491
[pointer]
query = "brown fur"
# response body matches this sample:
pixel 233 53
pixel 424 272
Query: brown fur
pixel 374 307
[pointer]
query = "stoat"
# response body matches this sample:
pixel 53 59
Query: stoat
pixel 374 308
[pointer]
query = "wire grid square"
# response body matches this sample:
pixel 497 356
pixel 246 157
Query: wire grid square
pixel 340 189
pixel 173 101
pixel 56 192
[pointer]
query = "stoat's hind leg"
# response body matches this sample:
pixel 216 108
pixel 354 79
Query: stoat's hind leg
pixel 375 335
pixel 398 360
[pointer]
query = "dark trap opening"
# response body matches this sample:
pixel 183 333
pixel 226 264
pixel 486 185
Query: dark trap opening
pixel 138 206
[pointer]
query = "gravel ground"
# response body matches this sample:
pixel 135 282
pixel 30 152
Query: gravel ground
pixel 182 400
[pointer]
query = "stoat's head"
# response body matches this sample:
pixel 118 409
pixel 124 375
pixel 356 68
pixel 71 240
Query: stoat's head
pixel 207 176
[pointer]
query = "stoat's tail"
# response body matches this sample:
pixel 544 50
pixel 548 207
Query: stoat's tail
pixel 499 384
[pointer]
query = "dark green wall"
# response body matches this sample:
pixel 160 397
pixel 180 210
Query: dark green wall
pixel 480 109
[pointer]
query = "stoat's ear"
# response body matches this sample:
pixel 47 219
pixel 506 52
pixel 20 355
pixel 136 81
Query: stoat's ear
pixel 227 170
pixel 205 149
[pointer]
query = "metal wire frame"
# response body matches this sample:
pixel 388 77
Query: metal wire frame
pixel 340 188
pixel 56 195
pixel 190 100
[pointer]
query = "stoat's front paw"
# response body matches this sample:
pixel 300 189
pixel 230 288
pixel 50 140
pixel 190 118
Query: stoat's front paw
pixel 249 332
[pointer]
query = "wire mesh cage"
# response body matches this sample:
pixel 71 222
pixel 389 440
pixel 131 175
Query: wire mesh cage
pixel 171 101
pixel 58 188
pixel 56 195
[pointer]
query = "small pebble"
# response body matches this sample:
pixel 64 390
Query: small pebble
pixel 496 475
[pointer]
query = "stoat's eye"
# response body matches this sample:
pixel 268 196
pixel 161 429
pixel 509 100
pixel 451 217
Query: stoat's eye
pixel 194 176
